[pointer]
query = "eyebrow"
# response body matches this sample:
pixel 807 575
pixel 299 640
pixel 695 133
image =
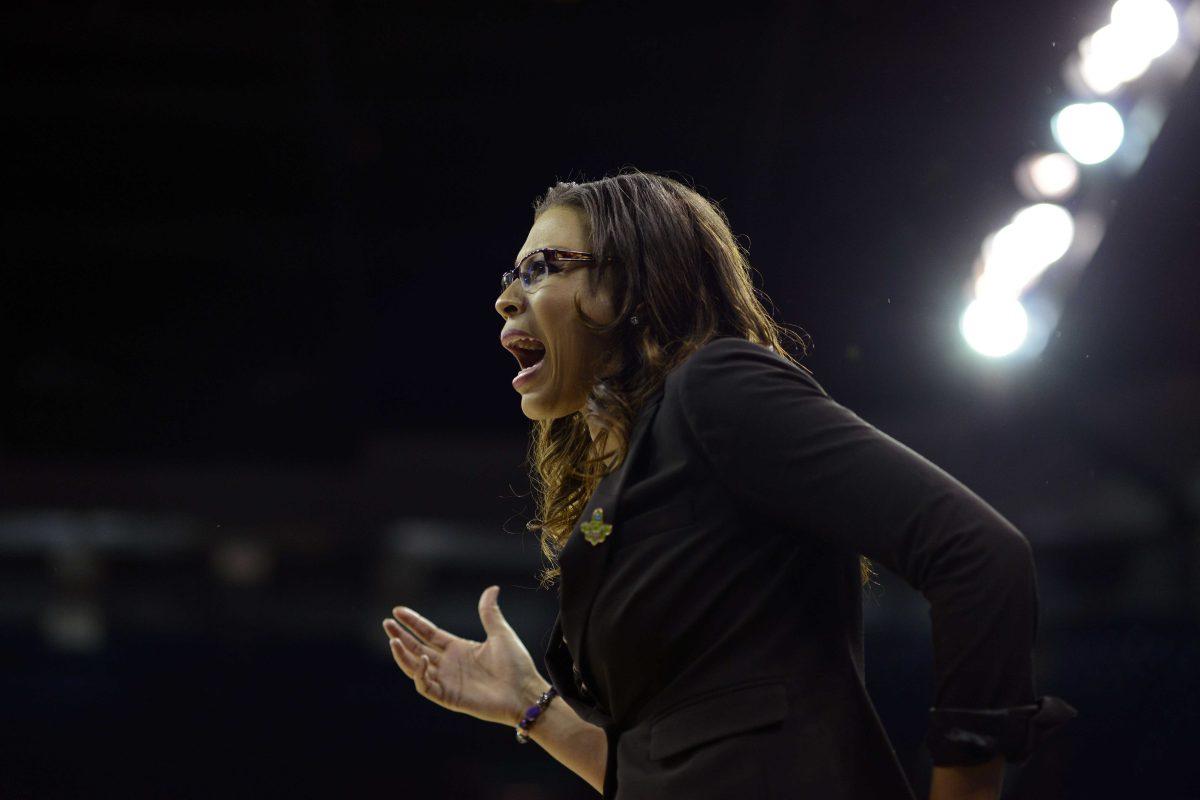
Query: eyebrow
pixel 531 252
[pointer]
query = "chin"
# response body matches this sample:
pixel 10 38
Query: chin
pixel 533 409
pixel 537 410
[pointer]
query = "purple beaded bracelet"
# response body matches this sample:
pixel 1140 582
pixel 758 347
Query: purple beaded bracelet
pixel 533 712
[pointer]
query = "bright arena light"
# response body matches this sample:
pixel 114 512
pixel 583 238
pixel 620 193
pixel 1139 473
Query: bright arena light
pixel 1149 25
pixel 1140 31
pixel 994 328
pixel 1107 60
pixel 1044 232
pixel 1089 132
pixel 1015 255
pixel 1047 176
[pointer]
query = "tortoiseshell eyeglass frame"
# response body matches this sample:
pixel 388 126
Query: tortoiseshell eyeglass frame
pixel 551 254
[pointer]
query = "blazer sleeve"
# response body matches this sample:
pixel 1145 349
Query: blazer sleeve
pixel 787 451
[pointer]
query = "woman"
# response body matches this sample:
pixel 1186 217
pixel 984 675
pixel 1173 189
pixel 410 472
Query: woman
pixel 709 513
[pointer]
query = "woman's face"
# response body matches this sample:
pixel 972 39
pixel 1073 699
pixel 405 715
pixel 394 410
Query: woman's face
pixel 574 355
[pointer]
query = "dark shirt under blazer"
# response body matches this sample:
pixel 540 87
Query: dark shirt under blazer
pixel 716 633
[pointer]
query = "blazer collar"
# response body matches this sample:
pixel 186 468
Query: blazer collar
pixel 581 562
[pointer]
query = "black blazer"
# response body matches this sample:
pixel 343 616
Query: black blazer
pixel 715 629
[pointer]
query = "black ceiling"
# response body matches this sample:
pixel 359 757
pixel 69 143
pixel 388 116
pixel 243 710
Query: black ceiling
pixel 277 232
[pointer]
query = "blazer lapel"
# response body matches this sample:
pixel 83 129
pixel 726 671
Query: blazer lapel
pixel 582 563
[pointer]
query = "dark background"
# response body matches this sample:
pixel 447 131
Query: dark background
pixel 253 395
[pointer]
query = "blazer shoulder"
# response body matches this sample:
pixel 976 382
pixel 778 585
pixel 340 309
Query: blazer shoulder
pixel 729 358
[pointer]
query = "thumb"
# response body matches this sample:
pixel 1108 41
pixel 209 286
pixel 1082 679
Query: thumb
pixel 489 612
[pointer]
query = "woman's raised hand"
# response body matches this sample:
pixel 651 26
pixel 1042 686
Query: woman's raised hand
pixel 494 680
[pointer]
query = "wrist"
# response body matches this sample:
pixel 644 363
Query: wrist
pixel 531 689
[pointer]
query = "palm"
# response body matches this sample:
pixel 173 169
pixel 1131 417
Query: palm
pixel 482 679
pixel 478 675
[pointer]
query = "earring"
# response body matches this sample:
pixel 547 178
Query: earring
pixel 633 320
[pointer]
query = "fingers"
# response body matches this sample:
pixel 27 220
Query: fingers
pixel 426 680
pixel 395 630
pixel 425 631
pixel 417 666
pixel 406 648
pixel 405 660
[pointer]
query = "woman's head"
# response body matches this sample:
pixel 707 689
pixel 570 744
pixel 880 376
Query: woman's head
pixel 661 251
pixel 546 311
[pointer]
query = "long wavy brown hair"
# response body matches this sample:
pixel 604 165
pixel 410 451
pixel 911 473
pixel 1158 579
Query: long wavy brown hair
pixel 677 265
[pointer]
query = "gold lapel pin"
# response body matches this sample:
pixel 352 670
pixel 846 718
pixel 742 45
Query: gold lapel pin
pixel 597 530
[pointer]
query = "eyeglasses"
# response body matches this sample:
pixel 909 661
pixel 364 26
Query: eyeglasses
pixel 534 267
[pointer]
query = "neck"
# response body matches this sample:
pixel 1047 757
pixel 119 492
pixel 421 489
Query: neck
pixel 610 366
pixel 594 428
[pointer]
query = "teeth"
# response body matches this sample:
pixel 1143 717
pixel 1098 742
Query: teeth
pixel 526 344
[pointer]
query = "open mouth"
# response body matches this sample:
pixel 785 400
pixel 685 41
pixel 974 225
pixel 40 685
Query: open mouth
pixel 529 355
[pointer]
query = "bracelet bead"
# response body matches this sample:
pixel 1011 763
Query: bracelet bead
pixel 533 712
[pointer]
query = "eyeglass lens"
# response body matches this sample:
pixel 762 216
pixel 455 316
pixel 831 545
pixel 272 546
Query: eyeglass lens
pixel 531 271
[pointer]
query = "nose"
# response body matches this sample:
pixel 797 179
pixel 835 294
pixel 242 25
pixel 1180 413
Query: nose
pixel 511 300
